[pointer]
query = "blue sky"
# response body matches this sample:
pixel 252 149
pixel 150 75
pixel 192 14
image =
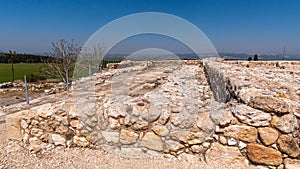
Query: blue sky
pixel 248 26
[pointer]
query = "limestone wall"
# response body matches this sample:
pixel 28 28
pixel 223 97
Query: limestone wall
pixel 169 108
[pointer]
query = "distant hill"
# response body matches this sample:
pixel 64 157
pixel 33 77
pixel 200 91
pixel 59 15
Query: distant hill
pixel 228 56
pixel 244 56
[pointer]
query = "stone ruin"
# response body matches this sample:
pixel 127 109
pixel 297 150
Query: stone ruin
pixel 141 109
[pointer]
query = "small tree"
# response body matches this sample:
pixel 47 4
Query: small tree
pixel 255 57
pixel 12 54
pixel 62 60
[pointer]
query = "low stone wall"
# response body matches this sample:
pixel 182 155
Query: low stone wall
pixel 157 115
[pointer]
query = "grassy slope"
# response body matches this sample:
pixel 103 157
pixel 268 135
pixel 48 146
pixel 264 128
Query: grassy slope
pixel 21 69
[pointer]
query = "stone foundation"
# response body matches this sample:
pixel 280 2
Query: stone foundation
pixel 175 107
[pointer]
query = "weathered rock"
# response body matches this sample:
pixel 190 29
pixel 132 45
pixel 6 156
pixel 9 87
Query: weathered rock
pixel 268 135
pixel 286 123
pixel 205 123
pixel 72 112
pixel 89 123
pixel 197 148
pixel 61 129
pixel 173 145
pixel 152 115
pixel 179 135
pixel 288 145
pixel 219 114
pixel 244 133
pixel 296 107
pixel 291 163
pixel 23 124
pixel 115 113
pixel 76 124
pixel 140 125
pixel 35 144
pixel 128 137
pixel 80 141
pixel 113 123
pixel 270 104
pixel 152 142
pixel 223 140
pixel 45 110
pixel 242 145
pixel 164 117
pixel 225 156
pixel 206 144
pixel 47 126
pixel 36 132
pixel 251 116
pixel 132 152
pixel 58 139
pixel 183 120
pixel 111 137
pixel 13 127
pixel 263 155
pixel 160 130
pixel 231 142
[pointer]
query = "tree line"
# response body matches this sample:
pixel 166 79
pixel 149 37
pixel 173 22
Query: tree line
pixel 22 58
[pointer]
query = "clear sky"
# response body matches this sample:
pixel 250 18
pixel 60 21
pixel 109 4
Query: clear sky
pixel 248 26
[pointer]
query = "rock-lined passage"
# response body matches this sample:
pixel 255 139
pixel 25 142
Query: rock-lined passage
pixel 146 108
pixel 154 109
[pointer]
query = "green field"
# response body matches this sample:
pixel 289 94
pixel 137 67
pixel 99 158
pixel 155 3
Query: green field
pixel 21 69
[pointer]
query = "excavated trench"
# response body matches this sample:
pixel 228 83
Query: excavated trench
pixel 174 107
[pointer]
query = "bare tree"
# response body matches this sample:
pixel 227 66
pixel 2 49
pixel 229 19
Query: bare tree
pixel 62 60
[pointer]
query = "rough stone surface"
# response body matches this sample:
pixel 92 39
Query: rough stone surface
pixel 35 144
pixel 128 137
pixel 251 116
pixel 132 152
pixel 286 123
pixel 268 135
pixel 231 142
pixel 180 135
pixel 205 123
pixel 165 108
pixel 160 130
pixel 244 133
pixel 288 145
pixel 263 155
pixel 13 127
pixel 219 114
pixel 152 142
pixel 80 141
pixel 111 137
pixel 234 159
pixel 58 139
pixel 76 124
pixel 223 140
pixel 173 145
pixel 291 163
pixel 271 104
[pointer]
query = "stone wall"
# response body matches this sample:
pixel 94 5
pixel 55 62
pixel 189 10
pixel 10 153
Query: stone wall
pixel 169 108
